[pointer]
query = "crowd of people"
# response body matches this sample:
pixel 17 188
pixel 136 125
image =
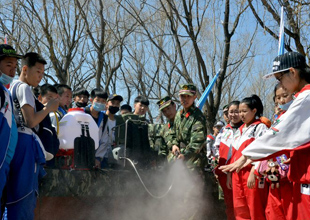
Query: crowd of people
pixel 261 168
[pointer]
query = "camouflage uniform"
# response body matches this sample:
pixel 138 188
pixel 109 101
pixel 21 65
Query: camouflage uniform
pixel 189 135
pixel 165 133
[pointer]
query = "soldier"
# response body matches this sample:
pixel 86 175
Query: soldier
pixel 168 108
pixel 189 131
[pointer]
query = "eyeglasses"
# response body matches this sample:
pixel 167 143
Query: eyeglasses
pixel 279 78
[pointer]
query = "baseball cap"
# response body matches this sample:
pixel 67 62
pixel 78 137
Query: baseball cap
pixel 284 62
pixel 8 51
pixel 219 124
pixel 164 102
pixel 115 97
pixel 188 89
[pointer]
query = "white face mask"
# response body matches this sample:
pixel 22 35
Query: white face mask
pixel 285 106
pixel 98 106
pixel 5 79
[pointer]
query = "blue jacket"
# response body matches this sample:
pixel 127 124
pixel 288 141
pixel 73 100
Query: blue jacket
pixel 8 128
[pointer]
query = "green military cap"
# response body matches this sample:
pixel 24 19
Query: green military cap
pixel 164 102
pixel 188 89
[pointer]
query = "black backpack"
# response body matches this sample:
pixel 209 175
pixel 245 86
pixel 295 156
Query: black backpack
pixel 46 131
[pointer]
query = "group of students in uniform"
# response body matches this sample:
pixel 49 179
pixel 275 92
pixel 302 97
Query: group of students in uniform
pixel 263 167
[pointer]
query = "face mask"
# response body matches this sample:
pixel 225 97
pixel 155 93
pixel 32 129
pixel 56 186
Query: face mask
pixel 81 104
pixel 5 79
pixel 113 110
pixel 98 106
pixel 285 106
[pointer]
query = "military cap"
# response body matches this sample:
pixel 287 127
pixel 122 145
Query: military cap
pixel 164 102
pixel 188 89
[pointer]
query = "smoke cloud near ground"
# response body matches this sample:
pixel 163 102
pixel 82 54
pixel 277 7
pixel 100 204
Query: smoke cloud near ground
pixel 188 198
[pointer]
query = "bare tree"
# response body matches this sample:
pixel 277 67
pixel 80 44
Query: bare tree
pixel 185 25
pixel 296 27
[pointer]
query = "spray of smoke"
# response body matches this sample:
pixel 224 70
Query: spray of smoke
pixel 188 198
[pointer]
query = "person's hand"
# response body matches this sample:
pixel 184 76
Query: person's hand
pixel 175 150
pixel 181 156
pixel 228 181
pixel 251 181
pixel 288 161
pixel 243 161
pixel 52 105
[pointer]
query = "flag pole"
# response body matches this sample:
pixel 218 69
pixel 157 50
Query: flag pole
pixel 281 33
pixel 205 94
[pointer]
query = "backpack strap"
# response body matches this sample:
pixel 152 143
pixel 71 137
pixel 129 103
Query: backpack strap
pixel 101 116
pixel 87 110
pixel 17 106
pixel 105 120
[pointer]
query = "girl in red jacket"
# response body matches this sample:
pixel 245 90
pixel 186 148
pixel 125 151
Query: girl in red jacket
pixel 225 153
pixel 249 193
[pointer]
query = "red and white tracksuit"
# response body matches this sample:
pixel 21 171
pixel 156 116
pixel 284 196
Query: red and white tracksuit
pixel 226 140
pixel 279 203
pixel 290 134
pixel 248 203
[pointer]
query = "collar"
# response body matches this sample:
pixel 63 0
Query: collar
pixel 189 112
pixel 256 122
pixel 170 124
pixel 306 87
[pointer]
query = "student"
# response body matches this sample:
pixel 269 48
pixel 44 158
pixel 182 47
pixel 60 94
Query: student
pixel 22 185
pixel 125 109
pixel 249 198
pixel 45 93
pixel 225 114
pixel 290 133
pixel 98 99
pixel 80 98
pixel 107 139
pixel 141 105
pixel 212 151
pixel 8 128
pixel 189 132
pixel 227 120
pixel 64 97
pixel 279 204
pixel 225 154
